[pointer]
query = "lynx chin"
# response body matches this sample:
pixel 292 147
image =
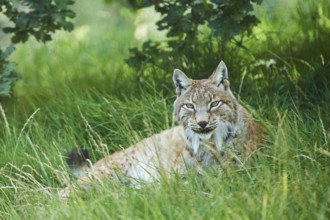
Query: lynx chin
pixel 214 128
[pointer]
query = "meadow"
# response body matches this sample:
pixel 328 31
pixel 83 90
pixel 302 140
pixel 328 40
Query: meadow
pixel 77 92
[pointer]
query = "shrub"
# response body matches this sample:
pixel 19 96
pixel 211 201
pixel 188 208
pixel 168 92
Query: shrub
pixel 198 35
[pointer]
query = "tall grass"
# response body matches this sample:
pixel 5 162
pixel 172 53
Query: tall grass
pixel 289 180
pixel 76 92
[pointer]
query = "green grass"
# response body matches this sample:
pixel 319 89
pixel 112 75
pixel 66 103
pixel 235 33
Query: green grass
pixel 289 180
pixel 80 93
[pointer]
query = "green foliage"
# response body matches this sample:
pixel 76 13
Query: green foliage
pixel 284 50
pixel 37 18
pixel 7 73
pixel 33 17
pixel 197 34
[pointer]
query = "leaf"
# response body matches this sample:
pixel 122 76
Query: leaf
pixel 5 89
pixel 5 54
pixel 63 3
pixel 20 37
pixel 7 74
pixel 8 30
pixel 9 70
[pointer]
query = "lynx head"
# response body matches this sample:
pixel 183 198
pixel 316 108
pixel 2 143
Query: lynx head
pixel 203 106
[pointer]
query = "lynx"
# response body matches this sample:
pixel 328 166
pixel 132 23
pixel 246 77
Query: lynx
pixel 214 128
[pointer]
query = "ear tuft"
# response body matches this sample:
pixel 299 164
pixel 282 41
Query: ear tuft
pixel 181 81
pixel 220 76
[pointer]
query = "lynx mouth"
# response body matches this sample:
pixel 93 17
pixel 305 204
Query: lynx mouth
pixel 203 130
pixel 205 133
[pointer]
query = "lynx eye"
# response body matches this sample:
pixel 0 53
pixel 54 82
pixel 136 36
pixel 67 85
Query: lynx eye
pixel 215 104
pixel 189 106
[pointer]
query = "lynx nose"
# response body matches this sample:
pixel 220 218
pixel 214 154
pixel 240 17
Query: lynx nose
pixel 202 124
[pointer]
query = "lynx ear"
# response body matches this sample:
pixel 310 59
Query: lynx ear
pixel 181 81
pixel 220 76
